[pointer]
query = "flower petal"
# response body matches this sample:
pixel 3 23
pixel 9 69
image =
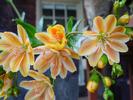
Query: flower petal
pixel 119 37
pixel 11 38
pixel 117 46
pixel 7 83
pixel 43 37
pixel 94 58
pixel 22 33
pixel 68 63
pixel 6 62
pixel 89 33
pixel 39 49
pixel 43 61
pixel 25 65
pixel 99 24
pixel 15 62
pixel 4 45
pixel 35 92
pixel 38 76
pixel 88 47
pixel 112 54
pixel 110 23
pixel 55 67
pixel 3 56
pixel 72 53
pixel 30 84
pixel 31 56
pixel 63 72
pixel 120 29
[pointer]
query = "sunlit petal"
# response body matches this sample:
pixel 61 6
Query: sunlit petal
pixel 99 24
pixel 63 72
pixel 110 23
pixel 5 45
pixel 120 29
pixel 7 83
pixel 3 56
pixel 88 47
pixel 38 76
pixel 112 54
pixel 72 53
pixel 22 33
pixel 15 62
pixel 68 63
pixel 25 65
pixel 30 84
pixel 119 37
pixel 35 92
pixel 43 37
pixel 39 49
pixel 94 58
pixel 90 33
pixel 117 46
pixel 11 38
pixel 55 67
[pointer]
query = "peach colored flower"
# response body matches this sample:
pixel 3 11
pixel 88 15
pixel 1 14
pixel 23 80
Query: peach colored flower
pixel 105 38
pixel 16 52
pixel 54 54
pixel 55 38
pixel 39 89
pixel 6 86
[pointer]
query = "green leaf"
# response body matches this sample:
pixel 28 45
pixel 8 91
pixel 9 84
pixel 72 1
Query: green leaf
pixel 31 30
pixel 129 30
pixel 108 94
pixel 70 24
pixel 2 70
pixel 11 75
pixel 117 70
pixel 1 84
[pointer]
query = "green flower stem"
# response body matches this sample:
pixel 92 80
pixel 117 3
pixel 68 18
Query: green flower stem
pixel 68 34
pixel 102 77
pixel 15 9
pixel 117 6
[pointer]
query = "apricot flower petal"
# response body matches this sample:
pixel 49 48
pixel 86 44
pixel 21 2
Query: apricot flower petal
pixel 88 47
pixel 38 76
pixel 112 54
pixel 15 62
pixel 43 37
pixel 63 72
pixel 25 65
pixel 118 46
pixel 94 58
pixel 110 23
pixel 68 63
pixel 11 38
pixel 99 24
pixel 119 37
pixel 22 33
pixel 120 29
pixel 55 67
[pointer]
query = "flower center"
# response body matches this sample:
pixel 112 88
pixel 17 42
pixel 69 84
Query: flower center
pixel 102 37
pixel 24 47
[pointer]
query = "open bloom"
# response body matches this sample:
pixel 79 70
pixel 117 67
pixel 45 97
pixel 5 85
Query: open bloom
pixel 16 52
pixel 39 89
pixel 7 84
pixel 105 38
pixel 54 54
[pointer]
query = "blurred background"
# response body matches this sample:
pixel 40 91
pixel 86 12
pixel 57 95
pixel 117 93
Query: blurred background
pixel 48 11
